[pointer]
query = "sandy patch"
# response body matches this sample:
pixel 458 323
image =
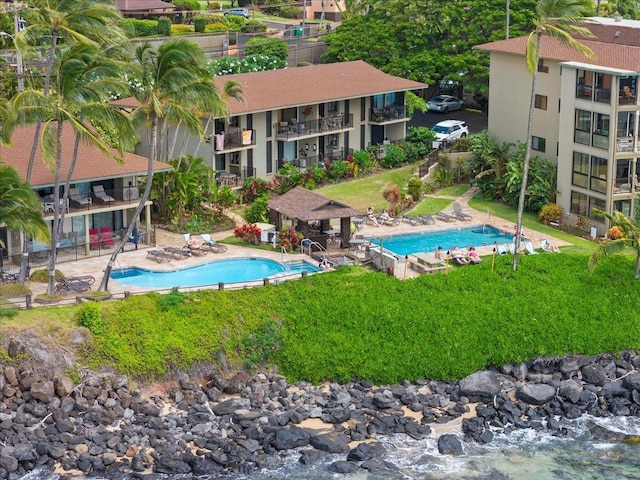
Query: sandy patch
pixel 453 427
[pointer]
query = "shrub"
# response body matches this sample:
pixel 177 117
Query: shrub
pixel 164 27
pixel 394 156
pixel 193 5
pixel 199 24
pixel 42 276
pixel 615 233
pixel 248 232
pixel 213 5
pixel 90 316
pixel 336 169
pixel 260 345
pixel 139 28
pixel 364 160
pixel 414 188
pixel 181 29
pixel 252 188
pixel 253 26
pixel 391 193
pixel 258 211
pixel 551 212
pixel 289 239
pixel 171 300
pixel 271 47
pixel 290 12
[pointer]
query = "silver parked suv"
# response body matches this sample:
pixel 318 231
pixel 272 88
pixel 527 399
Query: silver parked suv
pixel 242 12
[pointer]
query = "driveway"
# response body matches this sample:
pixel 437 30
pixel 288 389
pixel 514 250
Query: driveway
pixel 476 121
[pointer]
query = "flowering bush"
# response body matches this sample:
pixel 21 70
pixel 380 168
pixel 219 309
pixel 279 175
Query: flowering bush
pixel 251 63
pixel 249 232
pixel 615 233
pixel 289 239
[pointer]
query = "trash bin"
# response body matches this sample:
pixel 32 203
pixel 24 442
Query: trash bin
pixel 297 32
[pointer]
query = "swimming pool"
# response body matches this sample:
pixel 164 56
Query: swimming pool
pixel 462 237
pixel 233 270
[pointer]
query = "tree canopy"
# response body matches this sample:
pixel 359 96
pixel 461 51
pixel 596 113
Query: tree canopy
pixel 429 41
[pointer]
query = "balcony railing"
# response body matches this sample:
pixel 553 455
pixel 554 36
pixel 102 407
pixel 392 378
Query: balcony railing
pixel 95 201
pixel 309 128
pixel 304 162
pixel 234 140
pixel 388 114
pixel 624 185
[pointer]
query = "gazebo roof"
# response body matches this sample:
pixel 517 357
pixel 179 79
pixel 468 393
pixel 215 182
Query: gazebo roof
pixel 308 206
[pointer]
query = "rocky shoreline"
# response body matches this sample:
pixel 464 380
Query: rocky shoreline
pixel 215 425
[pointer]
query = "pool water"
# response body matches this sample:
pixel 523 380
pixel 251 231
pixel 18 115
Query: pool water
pixel 236 270
pixel 463 237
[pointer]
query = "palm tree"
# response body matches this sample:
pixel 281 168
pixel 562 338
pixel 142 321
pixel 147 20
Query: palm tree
pixel 630 238
pixel 175 88
pixel 84 83
pixel 73 21
pixel 20 207
pixel 560 20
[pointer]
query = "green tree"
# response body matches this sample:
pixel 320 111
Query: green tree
pixel 559 20
pixel 175 87
pixel 70 21
pixel 20 207
pixel 79 100
pixel 631 238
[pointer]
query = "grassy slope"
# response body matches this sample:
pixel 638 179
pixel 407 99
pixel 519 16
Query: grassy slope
pixel 358 324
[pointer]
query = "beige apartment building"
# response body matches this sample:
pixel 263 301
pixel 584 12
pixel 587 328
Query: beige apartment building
pixel 305 116
pixel 586 114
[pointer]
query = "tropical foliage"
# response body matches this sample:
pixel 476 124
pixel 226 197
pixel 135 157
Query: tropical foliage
pixel 625 233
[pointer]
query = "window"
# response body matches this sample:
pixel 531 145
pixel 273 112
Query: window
pixel 598 174
pixel 578 203
pixel 269 125
pixel 269 157
pixel 541 102
pixel 580 176
pixel 538 143
pixel 598 203
pixel 542 68
pixel 582 132
pixel 601 130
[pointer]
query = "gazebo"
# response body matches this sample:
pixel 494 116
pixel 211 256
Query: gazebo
pixel 311 214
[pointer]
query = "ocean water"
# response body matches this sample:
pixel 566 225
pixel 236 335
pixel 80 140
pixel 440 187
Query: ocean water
pixel 521 455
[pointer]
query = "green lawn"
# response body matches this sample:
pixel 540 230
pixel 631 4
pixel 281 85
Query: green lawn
pixel 366 192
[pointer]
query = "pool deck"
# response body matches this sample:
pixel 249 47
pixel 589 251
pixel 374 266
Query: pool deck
pixel 138 258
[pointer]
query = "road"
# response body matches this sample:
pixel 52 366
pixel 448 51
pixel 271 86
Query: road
pixel 476 121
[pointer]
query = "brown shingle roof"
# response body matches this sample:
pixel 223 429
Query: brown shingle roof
pixel 622 52
pixel 309 206
pixel 91 165
pixel 313 84
pixel 127 6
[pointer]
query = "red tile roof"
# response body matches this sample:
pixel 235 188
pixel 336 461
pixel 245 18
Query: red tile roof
pixel 91 165
pixel 621 52
pixel 313 84
pixel 292 87
pixel 126 6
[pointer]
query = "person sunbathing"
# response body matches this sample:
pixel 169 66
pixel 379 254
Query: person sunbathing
pixel 459 256
pixel 549 247
pixel 473 256
pixel 371 218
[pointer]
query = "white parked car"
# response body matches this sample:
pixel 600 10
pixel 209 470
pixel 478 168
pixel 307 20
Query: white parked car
pixel 449 130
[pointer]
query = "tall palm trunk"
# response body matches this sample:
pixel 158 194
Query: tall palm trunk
pixel 56 214
pixel 153 135
pixel 527 159
pixel 24 262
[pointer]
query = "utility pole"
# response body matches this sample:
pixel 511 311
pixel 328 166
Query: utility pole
pixel 18 26
pixel 507 26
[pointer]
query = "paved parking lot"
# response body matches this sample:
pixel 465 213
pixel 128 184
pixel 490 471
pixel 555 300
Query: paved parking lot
pixel 476 121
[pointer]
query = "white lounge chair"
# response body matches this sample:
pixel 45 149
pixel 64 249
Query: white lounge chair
pixel 529 248
pixel 212 244
pixel 77 199
pixel 546 247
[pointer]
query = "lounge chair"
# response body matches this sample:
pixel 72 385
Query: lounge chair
pixel 547 247
pixel 412 219
pixel 390 221
pixel 106 235
pixel 77 199
pixel 458 213
pixel 212 244
pixel 178 253
pixel 101 196
pixel 445 217
pixel 192 247
pixel 459 258
pixel 427 219
pixel 501 249
pixel 159 256
pixel 528 246
pixel 73 284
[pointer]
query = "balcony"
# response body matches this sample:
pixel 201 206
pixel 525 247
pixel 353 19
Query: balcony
pixel 124 197
pixel 624 185
pixel 304 162
pixel 288 131
pixel 233 140
pixel 388 114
